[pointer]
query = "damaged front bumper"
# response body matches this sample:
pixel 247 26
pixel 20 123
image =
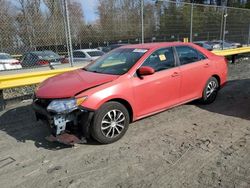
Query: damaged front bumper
pixel 68 128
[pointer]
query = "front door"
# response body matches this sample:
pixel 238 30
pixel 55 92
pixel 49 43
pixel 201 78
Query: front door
pixel 160 90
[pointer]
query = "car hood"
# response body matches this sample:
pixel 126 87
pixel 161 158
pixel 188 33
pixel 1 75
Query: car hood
pixel 69 84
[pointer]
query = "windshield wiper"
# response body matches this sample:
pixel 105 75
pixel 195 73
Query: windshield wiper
pixel 84 69
pixel 91 70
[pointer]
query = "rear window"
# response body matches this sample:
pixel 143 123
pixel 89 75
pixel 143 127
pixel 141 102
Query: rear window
pixel 199 44
pixel 5 56
pixel 79 55
pixel 95 53
pixel 46 54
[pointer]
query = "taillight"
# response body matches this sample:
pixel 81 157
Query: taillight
pixel 42 62
pixel 15 63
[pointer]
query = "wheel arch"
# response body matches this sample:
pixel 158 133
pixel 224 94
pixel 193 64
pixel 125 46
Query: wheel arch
pixel 217 78
pixel 127 106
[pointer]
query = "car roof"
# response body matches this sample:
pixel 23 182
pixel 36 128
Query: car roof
pixel 155 45
pixel 39 51
pixel 86 50
pixel 45 52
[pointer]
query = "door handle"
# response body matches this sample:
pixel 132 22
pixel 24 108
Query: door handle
pixel 175 74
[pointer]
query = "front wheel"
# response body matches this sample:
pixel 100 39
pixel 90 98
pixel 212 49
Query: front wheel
pixel 210 91
pixel 110 122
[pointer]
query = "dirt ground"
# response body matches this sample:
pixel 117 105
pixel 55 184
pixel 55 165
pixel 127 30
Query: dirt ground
pixel 188 146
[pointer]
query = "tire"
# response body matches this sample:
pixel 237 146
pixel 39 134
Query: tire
pixel 210 91
pixel 110 122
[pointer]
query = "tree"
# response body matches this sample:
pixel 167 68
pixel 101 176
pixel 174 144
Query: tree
pixel 119 19
pixel 7 28
pixel 54 23
pixel 29 21
pixel 76 20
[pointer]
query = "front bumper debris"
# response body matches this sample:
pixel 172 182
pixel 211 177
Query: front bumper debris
pixel 67 139
pixel 60 122
pixel 57 122
pixel 69 128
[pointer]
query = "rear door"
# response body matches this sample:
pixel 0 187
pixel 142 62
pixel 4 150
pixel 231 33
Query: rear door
pixel 195 71
pixel 161 89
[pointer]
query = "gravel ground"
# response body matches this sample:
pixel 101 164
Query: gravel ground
pixel 15 93
pixel 188 146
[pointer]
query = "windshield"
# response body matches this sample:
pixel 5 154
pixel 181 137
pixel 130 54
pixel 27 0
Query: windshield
pixel 95 53
pixel 117 62
pixel 46 54
pixel 5 56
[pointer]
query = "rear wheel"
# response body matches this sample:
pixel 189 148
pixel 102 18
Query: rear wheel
pixel 110 122
pixel 210 91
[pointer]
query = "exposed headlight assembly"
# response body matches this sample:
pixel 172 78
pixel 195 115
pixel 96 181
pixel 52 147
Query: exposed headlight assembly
pixel 63 106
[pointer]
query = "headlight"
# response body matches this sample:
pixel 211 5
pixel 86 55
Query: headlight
pixel 65 105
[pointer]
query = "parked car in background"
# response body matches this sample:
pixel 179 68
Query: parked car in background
pixel 125 85
pixel 102 48
pixel 85 55
pixel 217 44
pixel 41 58
pixel 237 44
pixel 8 63
pixel 205 44
pixel 234 44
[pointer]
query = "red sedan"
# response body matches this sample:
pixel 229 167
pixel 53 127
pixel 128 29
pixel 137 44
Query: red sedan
pixel 127 84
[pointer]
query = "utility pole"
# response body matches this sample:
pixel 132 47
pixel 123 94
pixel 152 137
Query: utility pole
pixel 68 32
pixel 221 23
pixel 65 27
pixel 191 22
pixel 1 45
pixel 248 41
pixel 142 21
pixel 224 24
pixel 224 28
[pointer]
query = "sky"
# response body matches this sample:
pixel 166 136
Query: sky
pixel 89 8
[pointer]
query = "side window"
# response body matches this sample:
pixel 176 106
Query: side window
pixel 201 56
pixel 188 55
pixel 161 59
pixel 28 57
pixel 199 44
pixel 79 55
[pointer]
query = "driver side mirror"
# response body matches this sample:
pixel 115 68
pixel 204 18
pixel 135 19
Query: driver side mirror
pixel 145 70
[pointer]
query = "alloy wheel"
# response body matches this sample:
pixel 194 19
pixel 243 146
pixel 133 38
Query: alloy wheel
pixel 211 88
pixel 112 123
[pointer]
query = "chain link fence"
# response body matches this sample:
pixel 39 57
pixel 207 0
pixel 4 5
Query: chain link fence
pixel 48 34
